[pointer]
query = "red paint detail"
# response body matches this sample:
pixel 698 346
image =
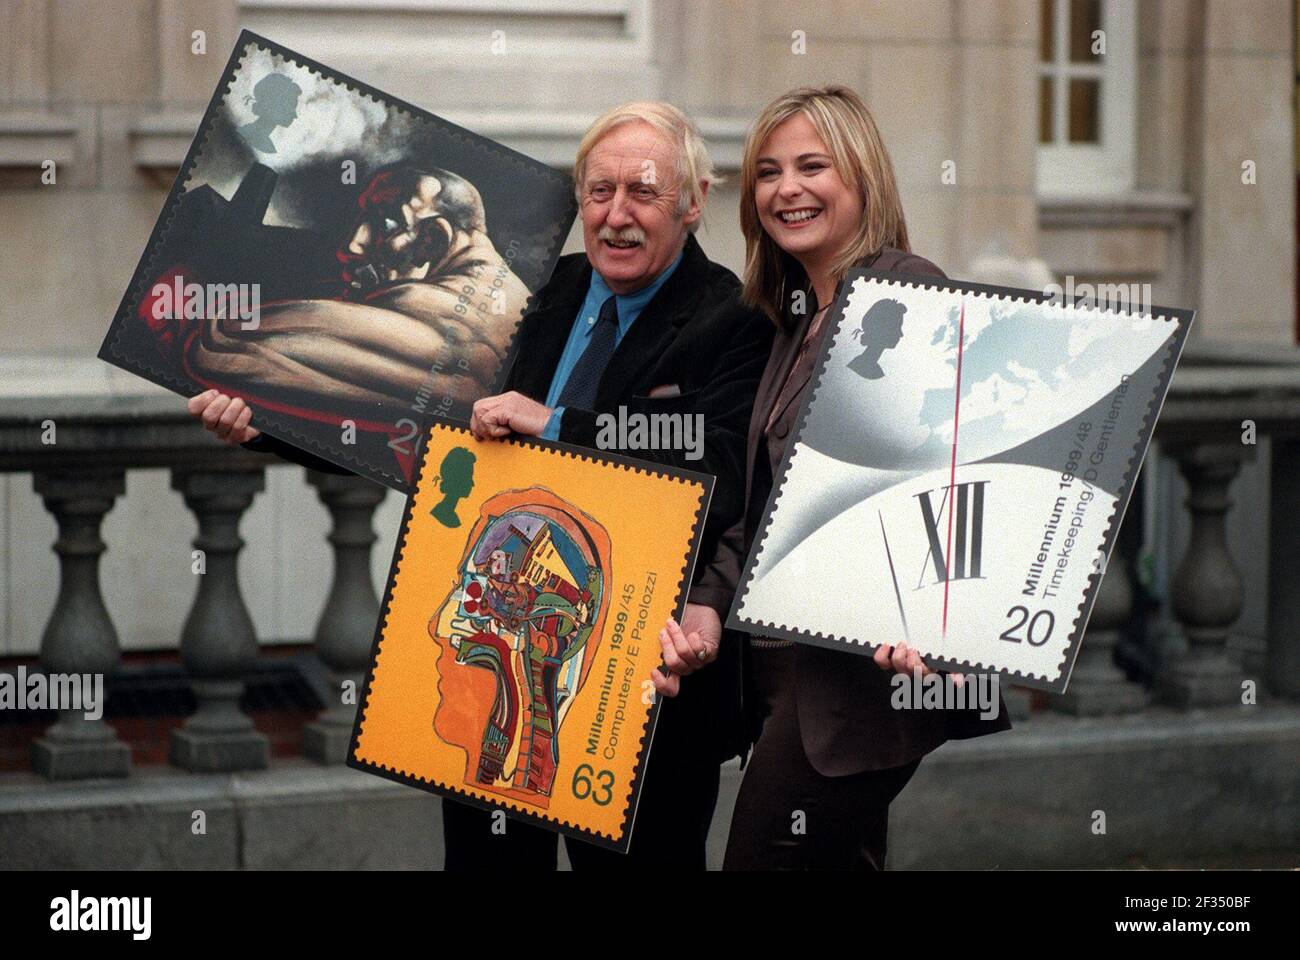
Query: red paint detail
pixel 383 190
pixel 303 413
pixel 175 337
pixel 166 330
pixel 405 461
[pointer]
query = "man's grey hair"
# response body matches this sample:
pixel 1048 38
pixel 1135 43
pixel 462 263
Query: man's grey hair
pixel 694 165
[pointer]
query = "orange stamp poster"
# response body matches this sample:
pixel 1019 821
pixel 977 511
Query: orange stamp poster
pixel 512 662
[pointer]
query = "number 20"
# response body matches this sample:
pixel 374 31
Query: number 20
pixel 398 443
pixel 1009 633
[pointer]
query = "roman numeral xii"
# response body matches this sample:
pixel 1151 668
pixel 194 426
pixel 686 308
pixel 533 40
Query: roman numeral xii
pixel 967 530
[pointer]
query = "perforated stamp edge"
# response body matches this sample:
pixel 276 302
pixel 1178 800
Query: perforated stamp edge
pixel 278 426
pixel 617 841
pixel 1182 321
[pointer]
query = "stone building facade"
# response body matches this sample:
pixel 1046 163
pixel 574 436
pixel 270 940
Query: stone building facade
pixel 1195 193
pixel 1138 143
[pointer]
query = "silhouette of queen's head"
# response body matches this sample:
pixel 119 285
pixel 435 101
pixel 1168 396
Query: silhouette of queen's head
pixel 882 329
pixel 275 104
pixel 455 481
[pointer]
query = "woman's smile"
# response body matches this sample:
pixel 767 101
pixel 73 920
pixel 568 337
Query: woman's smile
pixel 799 216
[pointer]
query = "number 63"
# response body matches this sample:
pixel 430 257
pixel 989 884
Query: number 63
pixel 583 788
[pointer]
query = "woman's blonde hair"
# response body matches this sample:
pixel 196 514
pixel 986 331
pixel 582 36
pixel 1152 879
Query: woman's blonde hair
pixel 693 161
pixel 843 121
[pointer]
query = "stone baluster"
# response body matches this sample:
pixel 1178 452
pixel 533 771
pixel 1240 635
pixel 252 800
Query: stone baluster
pixel 1207 595
pixel 1282 659
pixel 218 643
pixel 79 638
pixel 1097 686
pixel 346 629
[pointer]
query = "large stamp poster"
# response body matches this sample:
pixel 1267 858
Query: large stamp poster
pixel 349 264
pixel 958 473
pixel 512 662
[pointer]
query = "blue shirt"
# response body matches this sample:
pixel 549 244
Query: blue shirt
pixel 629 308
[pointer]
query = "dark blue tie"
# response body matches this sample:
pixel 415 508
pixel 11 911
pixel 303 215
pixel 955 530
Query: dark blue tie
pixel 580 391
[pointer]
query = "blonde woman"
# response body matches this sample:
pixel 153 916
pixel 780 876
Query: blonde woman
pixel 818 196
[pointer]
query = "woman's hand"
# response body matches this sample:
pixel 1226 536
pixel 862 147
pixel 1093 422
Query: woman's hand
pixel 687 647
pixel 228 418
pixel 904 659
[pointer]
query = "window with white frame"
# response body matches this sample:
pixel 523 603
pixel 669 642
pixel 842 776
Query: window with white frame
pixel 1087 86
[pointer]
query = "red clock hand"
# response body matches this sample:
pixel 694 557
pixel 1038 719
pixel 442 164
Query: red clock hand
pixel 952 470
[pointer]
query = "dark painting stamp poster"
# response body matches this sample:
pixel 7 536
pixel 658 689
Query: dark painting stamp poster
pixel 958 474
pixel 349 264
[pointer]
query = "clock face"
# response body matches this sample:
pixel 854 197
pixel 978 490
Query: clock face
pixel 957 475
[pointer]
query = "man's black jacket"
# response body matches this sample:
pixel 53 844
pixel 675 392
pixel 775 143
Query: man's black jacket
pixel 684 341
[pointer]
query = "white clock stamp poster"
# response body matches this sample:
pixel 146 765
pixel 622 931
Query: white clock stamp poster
pixel 958 474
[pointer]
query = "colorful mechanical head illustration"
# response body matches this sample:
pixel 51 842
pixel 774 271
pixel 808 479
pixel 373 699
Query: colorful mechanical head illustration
pixel 518 632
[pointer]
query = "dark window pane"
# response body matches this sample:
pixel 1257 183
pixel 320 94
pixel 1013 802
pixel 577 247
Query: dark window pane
pixel 1085 17
pixel 1085 109
pixel 1046 117
pixel 1046 30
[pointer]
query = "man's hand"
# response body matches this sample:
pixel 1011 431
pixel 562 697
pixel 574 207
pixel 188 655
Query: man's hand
pixel 688 647
pixel 226 417
pixel 904 659
pixel 507 413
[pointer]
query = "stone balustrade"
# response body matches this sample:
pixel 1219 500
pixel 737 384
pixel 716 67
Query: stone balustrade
pixel 81 475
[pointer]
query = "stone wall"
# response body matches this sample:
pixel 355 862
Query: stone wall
pixel 111 90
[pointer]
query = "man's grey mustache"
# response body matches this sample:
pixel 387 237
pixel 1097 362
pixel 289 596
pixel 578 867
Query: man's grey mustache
pixel 626 235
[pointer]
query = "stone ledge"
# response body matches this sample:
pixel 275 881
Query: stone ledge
pixel 295 815
pixel 160 141
pixel 29 138
pixel 1134 208
pixel 1209 788
pixel 1199 789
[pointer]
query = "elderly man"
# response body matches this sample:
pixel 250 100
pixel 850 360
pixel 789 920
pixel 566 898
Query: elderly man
pixel 636 322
